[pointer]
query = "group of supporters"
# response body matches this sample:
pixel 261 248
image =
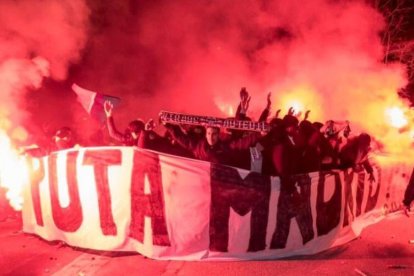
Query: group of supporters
pixel 290 147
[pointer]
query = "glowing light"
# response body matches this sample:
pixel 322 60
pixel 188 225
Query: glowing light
pixel 231 111
pixel 13 172
pixel 396 117
pixel 225 108
pixel 301 98
pixel 296 105
pixel 19 134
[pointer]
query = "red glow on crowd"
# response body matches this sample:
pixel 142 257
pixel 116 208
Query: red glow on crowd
pixel 312 55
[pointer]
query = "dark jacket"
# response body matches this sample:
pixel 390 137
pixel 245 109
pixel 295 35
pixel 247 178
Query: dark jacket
pixel 124 138
pixel 286 161
pixel 223 152
pixel 151 140
pixel 351 156
pixel 286 156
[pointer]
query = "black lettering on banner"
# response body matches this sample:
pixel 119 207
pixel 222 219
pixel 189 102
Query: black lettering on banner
pixel 101 160
pixel 360 192
pixel 328 213
pixel 70 218
pixel 150 205
pixel 349 200
pixel 293 204
pixel 229 190
pixel 36 176
pixel 373 199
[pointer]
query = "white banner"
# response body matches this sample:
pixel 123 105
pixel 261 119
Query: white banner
pixel 168 207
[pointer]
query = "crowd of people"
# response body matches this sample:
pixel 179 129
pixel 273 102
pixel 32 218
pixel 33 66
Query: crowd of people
pixel 292 145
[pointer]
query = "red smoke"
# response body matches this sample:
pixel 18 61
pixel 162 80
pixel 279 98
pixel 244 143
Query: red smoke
pixel 37 39
pixel 194 56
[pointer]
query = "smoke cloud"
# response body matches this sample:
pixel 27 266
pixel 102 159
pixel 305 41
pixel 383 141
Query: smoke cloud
pixel 194 56
pixel 38 39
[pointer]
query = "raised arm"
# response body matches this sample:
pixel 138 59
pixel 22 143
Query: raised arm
pixel 245 142
pixel 113 132
pixel 266 111
pixel 244 105
pixel 180 137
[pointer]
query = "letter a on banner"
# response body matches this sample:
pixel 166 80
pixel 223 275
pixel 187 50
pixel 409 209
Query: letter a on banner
pixel 147 205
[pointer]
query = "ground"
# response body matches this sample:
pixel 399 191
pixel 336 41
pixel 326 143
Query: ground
pixel 382 249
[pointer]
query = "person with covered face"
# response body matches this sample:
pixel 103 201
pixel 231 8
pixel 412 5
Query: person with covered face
pixel 131 135
pixel 211 148
pixel 63 139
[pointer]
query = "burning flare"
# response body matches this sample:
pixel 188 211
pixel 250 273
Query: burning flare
pixel 396 117
pixel 13 171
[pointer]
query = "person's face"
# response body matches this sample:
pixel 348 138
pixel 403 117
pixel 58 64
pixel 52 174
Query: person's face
pixel 212 136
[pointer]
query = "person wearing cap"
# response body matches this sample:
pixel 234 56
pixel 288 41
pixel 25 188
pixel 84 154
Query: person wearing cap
pixel 131 135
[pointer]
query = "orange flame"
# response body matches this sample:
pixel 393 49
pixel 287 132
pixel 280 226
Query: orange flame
pixel 13 172
pixel 300 99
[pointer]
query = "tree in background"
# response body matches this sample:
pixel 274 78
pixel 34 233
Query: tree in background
pixel 398 37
